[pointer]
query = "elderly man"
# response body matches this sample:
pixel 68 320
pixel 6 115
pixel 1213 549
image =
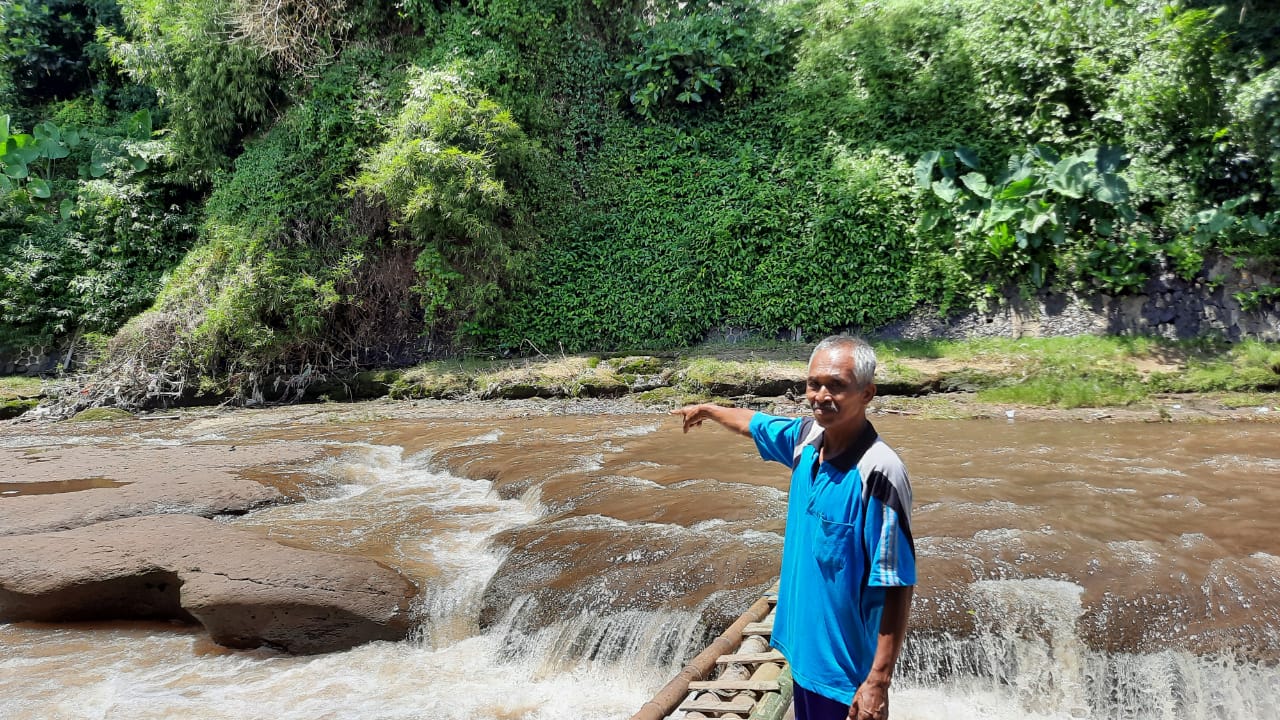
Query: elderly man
pixel 848 562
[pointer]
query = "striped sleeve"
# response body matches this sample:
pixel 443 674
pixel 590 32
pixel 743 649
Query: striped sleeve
pixel 890 545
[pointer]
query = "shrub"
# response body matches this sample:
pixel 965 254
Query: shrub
pixel 287 281
pixel 696 52
pixel 448 171
pixel 1256 123
pixel 48 47
pixel 88 245
pixel 1043 213
pixel 676 233
pixel 217 90
pixel 891 75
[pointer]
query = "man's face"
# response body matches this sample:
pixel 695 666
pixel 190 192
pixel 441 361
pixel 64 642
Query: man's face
pixel 833 393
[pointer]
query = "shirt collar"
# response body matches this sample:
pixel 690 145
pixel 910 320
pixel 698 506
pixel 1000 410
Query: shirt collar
pixel 845 461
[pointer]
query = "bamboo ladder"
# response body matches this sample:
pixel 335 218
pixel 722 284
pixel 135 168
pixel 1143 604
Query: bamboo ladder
pixel 752 680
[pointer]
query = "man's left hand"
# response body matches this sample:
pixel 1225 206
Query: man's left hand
pixel 871 702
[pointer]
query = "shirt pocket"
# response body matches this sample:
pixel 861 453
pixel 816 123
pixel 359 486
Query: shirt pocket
pixel 835 547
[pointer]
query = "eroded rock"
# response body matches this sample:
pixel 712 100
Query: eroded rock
pixel 246 590
pixel 200 480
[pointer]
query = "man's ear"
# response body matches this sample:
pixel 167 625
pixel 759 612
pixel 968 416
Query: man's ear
pixel 868 392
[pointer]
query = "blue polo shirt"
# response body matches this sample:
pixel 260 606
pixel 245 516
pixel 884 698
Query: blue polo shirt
pixel 848 537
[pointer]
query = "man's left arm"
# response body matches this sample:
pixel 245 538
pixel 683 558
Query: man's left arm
pixel 871 701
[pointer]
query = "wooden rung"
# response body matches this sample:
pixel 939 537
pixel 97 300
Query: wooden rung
pixel 760 628
pixel 736 685
pixel 749 658
pixel 736 705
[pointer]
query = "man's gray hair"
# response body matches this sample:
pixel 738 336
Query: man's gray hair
pixel 864 357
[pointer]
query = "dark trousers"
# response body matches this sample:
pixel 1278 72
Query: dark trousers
pixel 812 706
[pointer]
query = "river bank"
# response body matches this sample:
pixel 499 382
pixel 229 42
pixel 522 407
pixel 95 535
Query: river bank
pixel 1069 378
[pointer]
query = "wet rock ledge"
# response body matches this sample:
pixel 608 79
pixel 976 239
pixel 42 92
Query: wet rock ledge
pixel 142 551
pixel 246 591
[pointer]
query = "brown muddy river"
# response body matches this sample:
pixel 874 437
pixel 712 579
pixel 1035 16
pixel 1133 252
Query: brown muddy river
pixel 571 563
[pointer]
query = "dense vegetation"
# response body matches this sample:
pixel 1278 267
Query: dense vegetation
pixel 304 185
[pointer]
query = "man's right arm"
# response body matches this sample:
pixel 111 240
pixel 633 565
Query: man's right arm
pixel 734 418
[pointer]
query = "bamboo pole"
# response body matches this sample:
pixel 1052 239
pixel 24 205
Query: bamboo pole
pixel 775 706
pixel 701 665
pixel 735 671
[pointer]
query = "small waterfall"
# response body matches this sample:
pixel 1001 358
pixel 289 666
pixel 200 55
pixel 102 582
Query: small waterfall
pixel 646 648
pixel 377 484
pixel 1026 659
pixel 448 610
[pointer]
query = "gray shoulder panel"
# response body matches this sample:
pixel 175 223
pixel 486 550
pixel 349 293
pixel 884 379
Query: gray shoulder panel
pixel 810 433
pixel 885 479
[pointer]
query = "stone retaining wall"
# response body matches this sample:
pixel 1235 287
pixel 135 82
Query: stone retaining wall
pixel 1168 307
pixel 35 360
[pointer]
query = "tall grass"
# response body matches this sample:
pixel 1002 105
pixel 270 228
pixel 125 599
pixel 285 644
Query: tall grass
pixel 18 386
pixel 1070 391
pixel 1095 371
pixel 1250 365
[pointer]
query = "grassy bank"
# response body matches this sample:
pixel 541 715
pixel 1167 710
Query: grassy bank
pixel 938 378
pixel 1070 372
pixel 18 395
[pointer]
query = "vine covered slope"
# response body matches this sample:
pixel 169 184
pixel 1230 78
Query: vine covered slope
pixel 214 193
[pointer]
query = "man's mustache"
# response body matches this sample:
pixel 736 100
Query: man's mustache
pixel 824 406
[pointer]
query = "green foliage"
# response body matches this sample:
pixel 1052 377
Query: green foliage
pixel 998 77
pixel 767 184
pixel 28 161
pixel 525 23
pixel 1232 227
pixel 1170 101
pixel 1047 68
pixel 696 52
pixel 279 256
pixel 254 303
pixel 675 234
pixel 295 171
pixel 88 245
pixel 47 46
pixel 1115 265
pixel 448 171
pixel 422 13
pixel 1042 213
pixel 1256 298
pixel 887 75
pixel 20 151
pixel 217 89
pixel 1256 115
